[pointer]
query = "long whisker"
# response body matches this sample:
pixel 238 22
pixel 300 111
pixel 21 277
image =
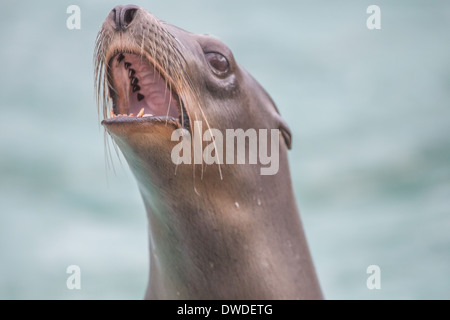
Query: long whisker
pixel 165 52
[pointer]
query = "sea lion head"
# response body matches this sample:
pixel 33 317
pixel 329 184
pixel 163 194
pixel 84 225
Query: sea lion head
pixel 153 78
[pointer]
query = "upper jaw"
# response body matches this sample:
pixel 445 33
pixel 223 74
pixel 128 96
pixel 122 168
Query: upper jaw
pixel 140 93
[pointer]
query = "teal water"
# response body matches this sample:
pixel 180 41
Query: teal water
pixel 369 112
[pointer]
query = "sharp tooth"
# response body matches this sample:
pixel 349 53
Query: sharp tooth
pixel 134 81
pixel 131 115
pixel 111 114
pixel 141 113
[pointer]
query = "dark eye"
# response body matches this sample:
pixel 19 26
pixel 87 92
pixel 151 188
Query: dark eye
pixel 219 64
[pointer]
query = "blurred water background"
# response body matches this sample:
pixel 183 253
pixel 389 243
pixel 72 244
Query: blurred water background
pixel 369 111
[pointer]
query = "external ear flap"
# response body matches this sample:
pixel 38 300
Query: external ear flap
pixel 286 132
pixel 283 127
pixel 280 123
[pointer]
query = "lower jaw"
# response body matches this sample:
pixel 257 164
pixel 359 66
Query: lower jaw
pixel 145 119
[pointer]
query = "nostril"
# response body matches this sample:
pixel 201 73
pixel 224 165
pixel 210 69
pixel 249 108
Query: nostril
pixel 128 16
pixel 122 16
pixel 113 13
pixel 114 16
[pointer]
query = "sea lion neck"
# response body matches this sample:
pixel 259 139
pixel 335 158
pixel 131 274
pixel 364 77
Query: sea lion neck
pixel 213 238
pixel 207 233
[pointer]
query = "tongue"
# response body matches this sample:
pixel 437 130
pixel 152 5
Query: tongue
pixel 153 94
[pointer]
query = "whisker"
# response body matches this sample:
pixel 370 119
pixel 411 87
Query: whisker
pixel 164 51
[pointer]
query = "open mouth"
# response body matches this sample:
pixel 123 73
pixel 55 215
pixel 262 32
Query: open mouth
pixel 140 93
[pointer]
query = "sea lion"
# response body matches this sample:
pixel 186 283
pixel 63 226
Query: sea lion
pixel 216 231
